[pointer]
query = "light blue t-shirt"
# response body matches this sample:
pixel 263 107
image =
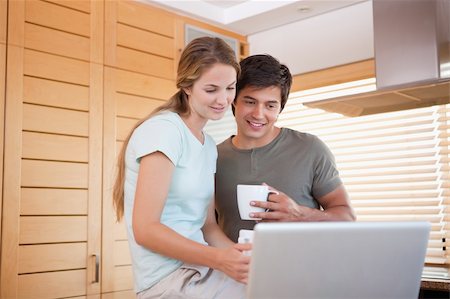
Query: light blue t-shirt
pixel 190 193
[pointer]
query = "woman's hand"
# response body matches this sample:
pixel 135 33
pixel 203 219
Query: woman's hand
pixel 233 262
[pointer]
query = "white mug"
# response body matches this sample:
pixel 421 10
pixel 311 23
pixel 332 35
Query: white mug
pixel 248 193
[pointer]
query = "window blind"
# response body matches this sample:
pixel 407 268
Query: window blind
pixel 395 166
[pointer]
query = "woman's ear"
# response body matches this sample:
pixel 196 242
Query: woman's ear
pixel 187 91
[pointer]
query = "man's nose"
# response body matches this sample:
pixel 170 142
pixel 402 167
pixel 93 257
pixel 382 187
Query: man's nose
pixel 258 111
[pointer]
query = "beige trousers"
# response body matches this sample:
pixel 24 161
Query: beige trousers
pixel 195 282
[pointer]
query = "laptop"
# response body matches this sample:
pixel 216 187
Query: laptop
pixel 358 260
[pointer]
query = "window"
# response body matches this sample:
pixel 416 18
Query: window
pixel 394 165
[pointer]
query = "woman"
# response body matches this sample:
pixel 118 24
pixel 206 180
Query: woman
pixel 165 186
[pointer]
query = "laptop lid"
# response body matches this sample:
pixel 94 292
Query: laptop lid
pixel 337 260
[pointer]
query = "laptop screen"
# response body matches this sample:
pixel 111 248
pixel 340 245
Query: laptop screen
pixel 337 260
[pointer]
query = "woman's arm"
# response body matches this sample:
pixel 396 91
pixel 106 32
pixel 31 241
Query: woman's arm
pixel 155 174
pixel 214 235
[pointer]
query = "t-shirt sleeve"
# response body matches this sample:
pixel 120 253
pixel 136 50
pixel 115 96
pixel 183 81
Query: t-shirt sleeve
pixel 158 135
pixel 326 175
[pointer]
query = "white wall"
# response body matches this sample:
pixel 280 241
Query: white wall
pixel 338 37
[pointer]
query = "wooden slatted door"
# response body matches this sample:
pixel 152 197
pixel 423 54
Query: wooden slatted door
pixel 3 27
pixel 52 193
pixel 139 76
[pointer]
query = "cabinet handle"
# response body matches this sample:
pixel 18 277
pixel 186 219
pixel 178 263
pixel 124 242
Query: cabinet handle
pixel 97 268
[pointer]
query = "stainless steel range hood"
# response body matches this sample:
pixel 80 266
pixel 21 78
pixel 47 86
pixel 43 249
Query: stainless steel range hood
pixel 412 59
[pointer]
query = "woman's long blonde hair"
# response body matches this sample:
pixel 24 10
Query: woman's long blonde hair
pixel 199 55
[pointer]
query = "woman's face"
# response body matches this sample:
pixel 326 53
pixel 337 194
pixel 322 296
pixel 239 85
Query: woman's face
pixel 211 95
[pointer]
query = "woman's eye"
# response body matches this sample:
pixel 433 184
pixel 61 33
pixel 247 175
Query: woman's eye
pixel 210 90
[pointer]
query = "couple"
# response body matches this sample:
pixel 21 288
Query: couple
pixel 167 168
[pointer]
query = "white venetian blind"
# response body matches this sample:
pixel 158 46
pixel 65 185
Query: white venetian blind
pixel 394 165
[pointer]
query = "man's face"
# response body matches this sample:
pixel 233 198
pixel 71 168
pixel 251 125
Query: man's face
pixel 256 111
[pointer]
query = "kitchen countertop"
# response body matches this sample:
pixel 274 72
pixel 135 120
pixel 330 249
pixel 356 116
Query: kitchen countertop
pixel 435 284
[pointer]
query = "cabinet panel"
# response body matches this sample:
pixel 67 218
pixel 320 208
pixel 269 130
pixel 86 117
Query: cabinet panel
pixel 53 174
pixel 124 126
pixel 145 41
pixel 43 201
pixel 57 229
pixel 67 108
pixel 142 85
pixel 145 63
pixel 52 257
pixel 123 278
pixel 134 106
pixel 52 284
pixel 3 26
pixel 43 65
pixel 122 253
pixel 146 17
pixel 54 120
pixel 54 147
pixel 56 41
pixel 120 231
pixel 81 5
pixel 120 295
pixel 56 94
pixel 55 16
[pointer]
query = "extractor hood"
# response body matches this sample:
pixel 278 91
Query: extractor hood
pixel 412 59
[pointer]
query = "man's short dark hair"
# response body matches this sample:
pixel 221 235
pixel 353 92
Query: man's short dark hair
pixel 262 71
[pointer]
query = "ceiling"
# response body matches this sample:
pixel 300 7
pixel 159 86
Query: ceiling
pixel 248 17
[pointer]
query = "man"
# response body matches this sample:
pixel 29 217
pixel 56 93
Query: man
pixel 298 165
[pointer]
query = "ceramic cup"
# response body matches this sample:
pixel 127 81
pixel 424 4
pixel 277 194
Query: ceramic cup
pixel 248 193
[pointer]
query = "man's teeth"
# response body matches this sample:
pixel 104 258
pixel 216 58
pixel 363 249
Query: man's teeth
pixel 255 124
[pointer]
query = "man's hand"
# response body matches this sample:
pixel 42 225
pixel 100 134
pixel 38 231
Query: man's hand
pixel 280 207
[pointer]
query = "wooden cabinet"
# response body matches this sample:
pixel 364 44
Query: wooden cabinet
pixel 53 151
pixel 74 78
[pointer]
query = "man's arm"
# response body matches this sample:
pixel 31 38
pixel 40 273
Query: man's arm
pixel 335 204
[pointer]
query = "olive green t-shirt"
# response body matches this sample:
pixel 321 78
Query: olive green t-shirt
pixel 296 163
